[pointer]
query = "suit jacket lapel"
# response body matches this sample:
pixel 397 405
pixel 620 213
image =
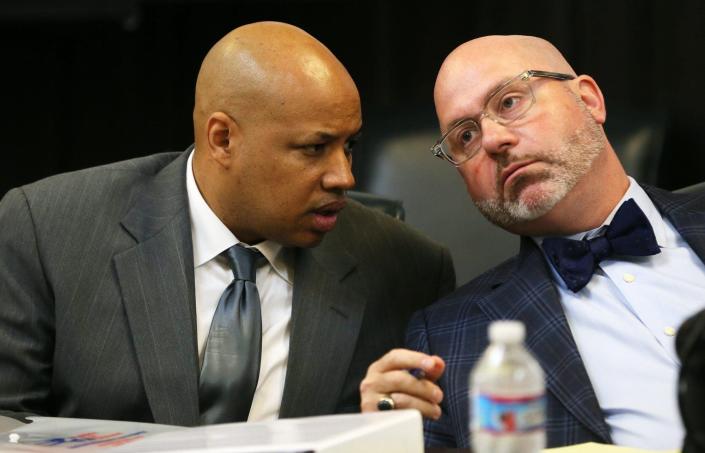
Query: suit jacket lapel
pixel 529 295
pixel 325 321
pixel 687 214
pixel 156 278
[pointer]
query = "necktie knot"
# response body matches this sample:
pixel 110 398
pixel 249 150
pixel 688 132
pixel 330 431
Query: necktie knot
pixel 629 234
pixel 600 247
pixel 243 262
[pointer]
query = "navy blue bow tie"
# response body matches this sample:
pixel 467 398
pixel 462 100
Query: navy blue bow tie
pixel 629 234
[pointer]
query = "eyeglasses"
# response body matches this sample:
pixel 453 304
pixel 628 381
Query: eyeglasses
pixel 506 104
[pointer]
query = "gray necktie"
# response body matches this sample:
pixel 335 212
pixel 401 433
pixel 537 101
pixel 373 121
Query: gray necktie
pixel 232 357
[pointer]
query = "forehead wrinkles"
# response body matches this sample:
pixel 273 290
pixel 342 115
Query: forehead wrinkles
pixel 464 84
pixel 466 98
pixel 473 69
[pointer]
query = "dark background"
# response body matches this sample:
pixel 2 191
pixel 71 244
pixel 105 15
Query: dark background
pixel 86 82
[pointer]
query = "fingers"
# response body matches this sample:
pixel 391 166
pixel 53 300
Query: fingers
pixel 427 409
pixel 402 381
pixel 390 376
pixel 407 392
pixel 398 359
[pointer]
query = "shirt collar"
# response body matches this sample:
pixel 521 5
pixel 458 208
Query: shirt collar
pixel 210 237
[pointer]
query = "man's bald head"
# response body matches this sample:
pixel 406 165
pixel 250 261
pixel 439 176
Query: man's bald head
pixel 258 68
pixel 547 170
pixel 275 119
pixel 482 58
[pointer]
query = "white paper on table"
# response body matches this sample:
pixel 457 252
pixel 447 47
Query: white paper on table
pixel 64 434
pixel 390 432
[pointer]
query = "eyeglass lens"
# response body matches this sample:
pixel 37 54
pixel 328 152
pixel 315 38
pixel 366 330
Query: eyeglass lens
pixel 505 106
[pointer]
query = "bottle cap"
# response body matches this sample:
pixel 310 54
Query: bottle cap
pixel 507 332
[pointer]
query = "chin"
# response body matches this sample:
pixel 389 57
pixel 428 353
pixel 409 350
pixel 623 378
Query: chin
pixel 304 241
pixel 534 198
pixel 541 198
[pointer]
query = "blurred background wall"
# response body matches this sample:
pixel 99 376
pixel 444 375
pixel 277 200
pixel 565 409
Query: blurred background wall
pixel 89 82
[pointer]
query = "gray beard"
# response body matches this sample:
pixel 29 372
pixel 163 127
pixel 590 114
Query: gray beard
pixel 572 161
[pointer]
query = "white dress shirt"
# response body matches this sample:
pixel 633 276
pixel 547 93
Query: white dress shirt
pixel 624 324
pixel 212 275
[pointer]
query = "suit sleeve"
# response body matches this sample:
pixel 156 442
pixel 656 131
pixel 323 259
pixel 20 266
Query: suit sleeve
pixel 437 433
pixel 26 313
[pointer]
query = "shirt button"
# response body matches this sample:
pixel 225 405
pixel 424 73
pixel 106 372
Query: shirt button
pixel 629 278
pixel 670 331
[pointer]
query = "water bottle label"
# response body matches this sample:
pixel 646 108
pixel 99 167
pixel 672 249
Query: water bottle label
pixel 501 415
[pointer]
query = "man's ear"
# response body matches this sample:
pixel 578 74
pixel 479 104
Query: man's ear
pixel 592 96
pixel 222 134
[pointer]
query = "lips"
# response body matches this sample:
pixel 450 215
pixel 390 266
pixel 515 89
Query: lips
pixel 512 169
pixel 326 216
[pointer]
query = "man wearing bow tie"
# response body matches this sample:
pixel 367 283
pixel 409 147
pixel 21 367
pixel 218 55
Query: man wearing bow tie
pixel 607 269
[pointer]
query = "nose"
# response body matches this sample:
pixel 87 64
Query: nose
pixel 338 175
pixel 496 138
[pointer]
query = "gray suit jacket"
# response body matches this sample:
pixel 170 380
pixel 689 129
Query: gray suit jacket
pixel 97 306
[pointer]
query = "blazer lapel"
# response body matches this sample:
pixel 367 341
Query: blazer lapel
pixel 687 214
pixel 325 321
pixel 530 296
pixel 156 278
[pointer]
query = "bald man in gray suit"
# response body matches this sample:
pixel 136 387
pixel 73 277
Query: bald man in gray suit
pixel 106 289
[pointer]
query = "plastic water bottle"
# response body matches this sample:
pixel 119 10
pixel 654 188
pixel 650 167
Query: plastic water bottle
pixel 507 395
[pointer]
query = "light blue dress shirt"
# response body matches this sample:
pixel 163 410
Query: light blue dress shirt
pixel 624 324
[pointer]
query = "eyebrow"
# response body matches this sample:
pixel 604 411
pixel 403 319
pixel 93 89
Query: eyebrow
pixel 486 99
pixel 326 136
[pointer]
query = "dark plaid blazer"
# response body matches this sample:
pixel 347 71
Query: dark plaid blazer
pixel 521 288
